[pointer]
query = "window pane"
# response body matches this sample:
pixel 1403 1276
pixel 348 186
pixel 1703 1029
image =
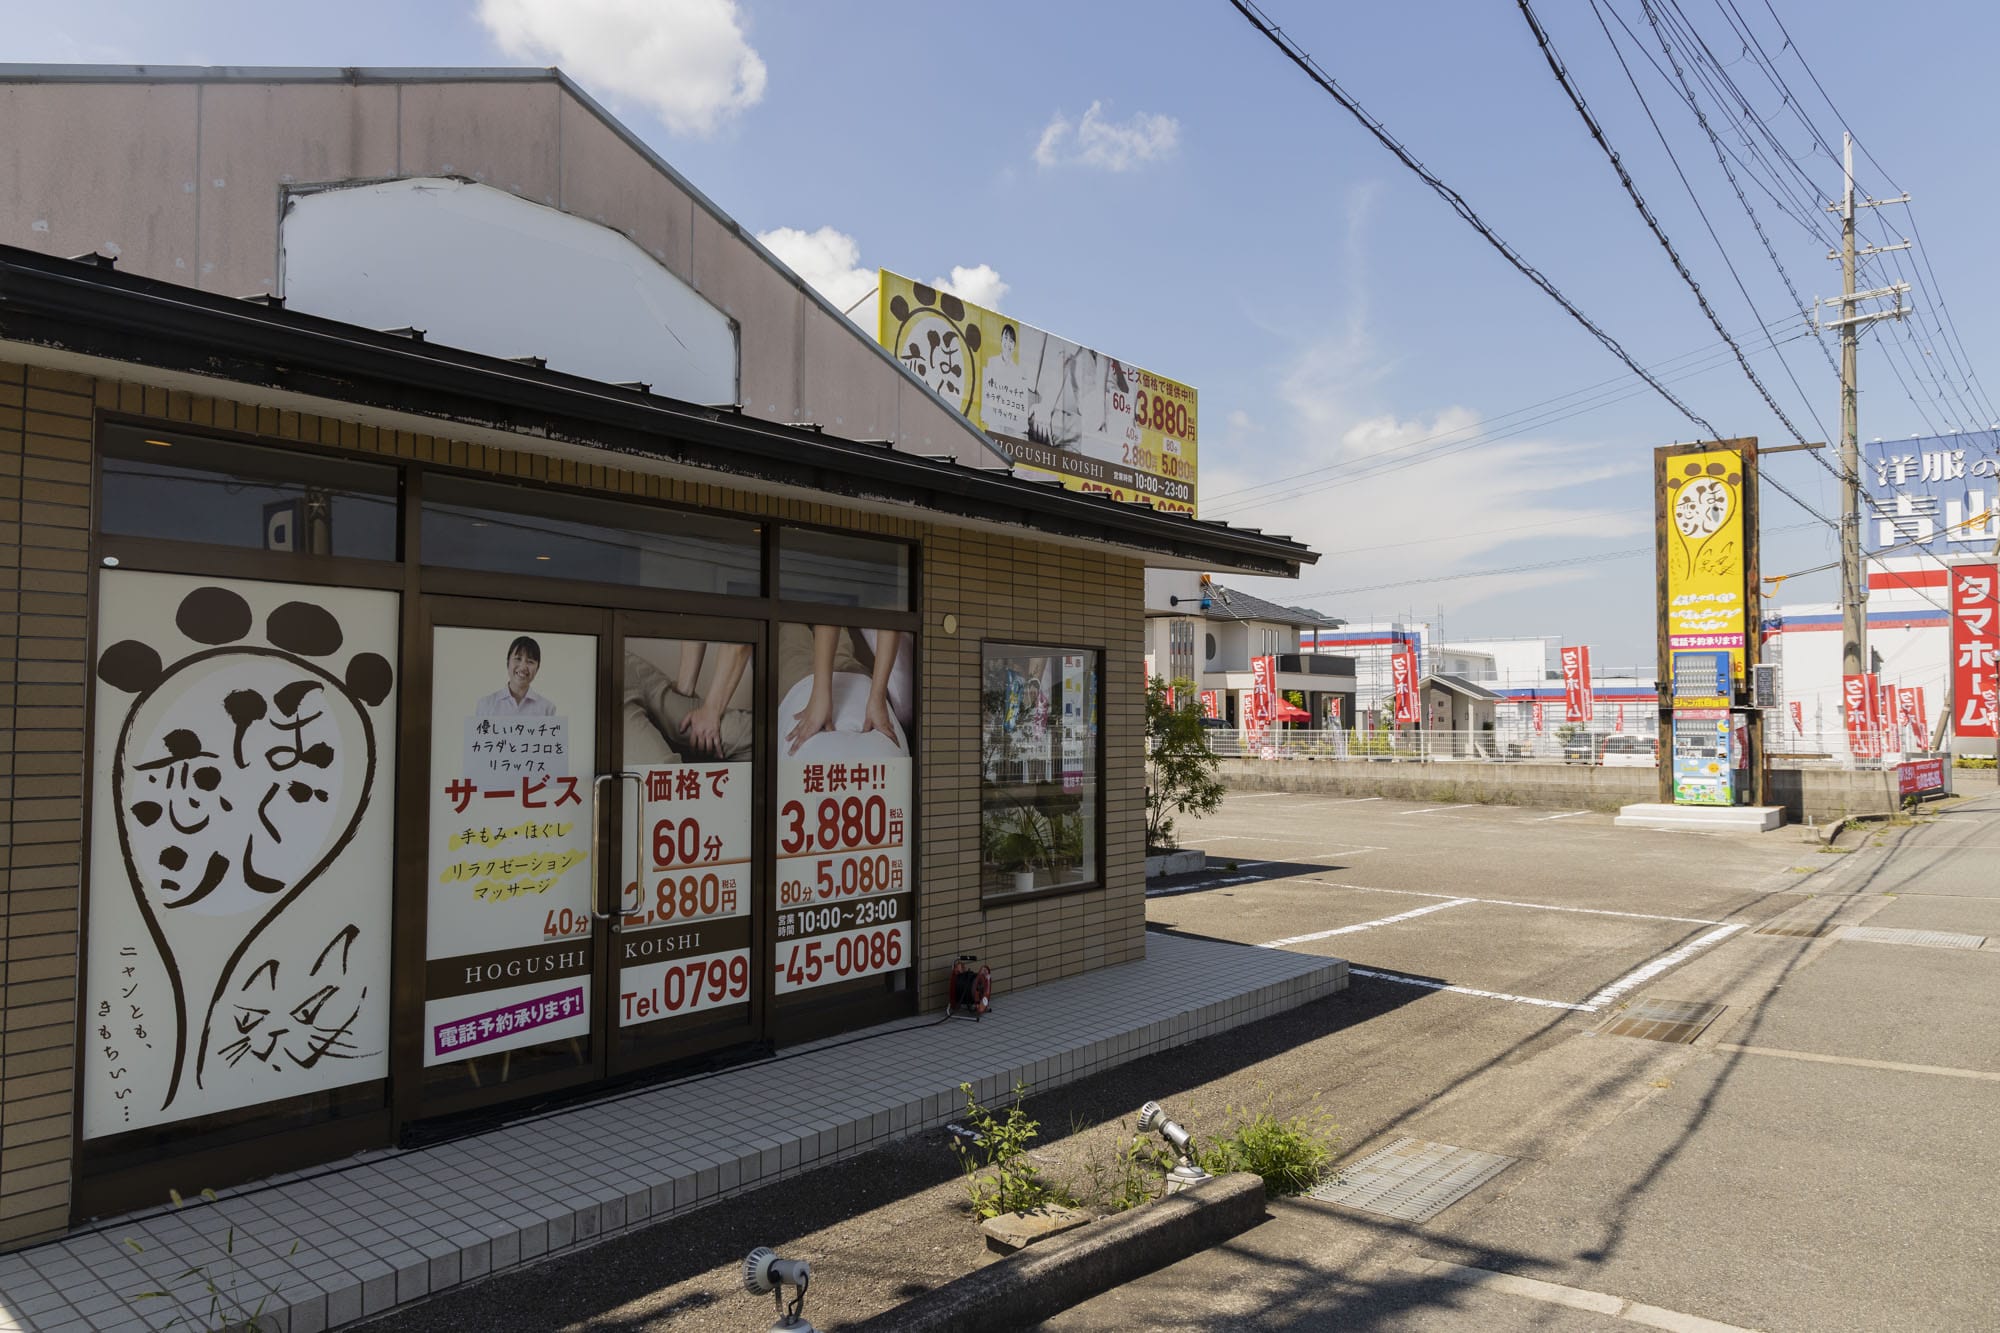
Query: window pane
pixel 843 571
pixel 185 488
pixel 1040 765
pixel 484 526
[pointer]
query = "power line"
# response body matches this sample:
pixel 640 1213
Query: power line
pixel 1380 462
pixel 1638 201
pixel 1563 563
pixel 1457 202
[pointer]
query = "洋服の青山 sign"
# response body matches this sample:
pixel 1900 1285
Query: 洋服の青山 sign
pixel 1579 705
pixel 1703 550
pixel 1975 630
pixel 1932 495
pixel 1052 406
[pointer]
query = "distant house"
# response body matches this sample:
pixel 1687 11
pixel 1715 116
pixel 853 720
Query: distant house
pixel 1210 634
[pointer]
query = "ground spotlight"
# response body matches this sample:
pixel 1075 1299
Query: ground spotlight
pixel 1153 1116
pixel 764 1272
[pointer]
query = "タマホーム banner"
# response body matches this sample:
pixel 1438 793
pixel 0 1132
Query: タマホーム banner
pixel 1703 552
pixel 1975 632
pixel 1579 705
pixel 1054 407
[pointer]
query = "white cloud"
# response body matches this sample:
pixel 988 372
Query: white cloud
pixel 830 262
pixel 1374 522
pixel 1106 144
pixel 980 284
pixel 686 59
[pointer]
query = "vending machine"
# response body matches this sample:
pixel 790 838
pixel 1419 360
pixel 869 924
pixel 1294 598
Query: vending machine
pixel 1704 769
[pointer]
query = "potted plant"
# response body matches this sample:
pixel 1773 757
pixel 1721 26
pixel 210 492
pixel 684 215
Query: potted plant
pixel 1019 841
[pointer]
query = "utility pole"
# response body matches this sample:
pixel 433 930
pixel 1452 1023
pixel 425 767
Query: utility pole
pixel 1853 575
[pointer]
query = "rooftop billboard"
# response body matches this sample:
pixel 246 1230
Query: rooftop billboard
pixel 1939 495
pixel 1054 407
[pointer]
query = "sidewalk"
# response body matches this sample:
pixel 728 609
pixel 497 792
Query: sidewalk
pixel 389 1227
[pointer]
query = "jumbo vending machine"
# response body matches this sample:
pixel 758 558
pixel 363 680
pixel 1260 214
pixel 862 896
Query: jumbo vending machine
pixel 1704 756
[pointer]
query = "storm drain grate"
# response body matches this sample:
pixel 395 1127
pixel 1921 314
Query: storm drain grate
pixel 1662 1020
pixel 1930 939
pixel 1411 1180
pixel 1801 931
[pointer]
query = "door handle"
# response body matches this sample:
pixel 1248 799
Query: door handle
pixel 597 844
pixel 611 883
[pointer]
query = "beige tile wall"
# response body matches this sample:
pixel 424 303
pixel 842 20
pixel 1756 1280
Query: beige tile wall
pixel 1000 588
pixel 45 423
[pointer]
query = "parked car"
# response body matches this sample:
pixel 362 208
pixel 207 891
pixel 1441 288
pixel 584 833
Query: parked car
pixel 1630 752
pixel 1582 748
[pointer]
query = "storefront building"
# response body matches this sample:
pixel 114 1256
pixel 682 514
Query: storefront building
pixel 399 733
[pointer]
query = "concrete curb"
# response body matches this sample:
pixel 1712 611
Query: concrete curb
pixel 1025 1288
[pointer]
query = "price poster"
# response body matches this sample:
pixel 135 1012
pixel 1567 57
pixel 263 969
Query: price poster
pixel 510 841
pixel 844 787
pixel 684 937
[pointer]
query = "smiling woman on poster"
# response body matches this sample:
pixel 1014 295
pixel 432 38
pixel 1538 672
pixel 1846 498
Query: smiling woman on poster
pixel 515 699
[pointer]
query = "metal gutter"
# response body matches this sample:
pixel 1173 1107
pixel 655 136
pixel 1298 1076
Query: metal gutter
pixel 80 308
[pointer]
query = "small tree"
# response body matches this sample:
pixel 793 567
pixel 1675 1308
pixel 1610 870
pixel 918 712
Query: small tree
pixel 1180 768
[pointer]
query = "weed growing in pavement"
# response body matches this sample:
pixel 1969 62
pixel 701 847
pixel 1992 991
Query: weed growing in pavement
pixel 1291 1154
pixel 1133 1176
pixel 999 1178
pixel 218 1308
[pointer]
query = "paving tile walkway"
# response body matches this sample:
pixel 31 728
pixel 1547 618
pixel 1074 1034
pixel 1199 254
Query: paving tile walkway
pixel 389 1227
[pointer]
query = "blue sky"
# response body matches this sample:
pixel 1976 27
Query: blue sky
pixel 1219 219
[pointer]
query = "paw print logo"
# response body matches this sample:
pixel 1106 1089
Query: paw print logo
pixel 241 772
pixel 936 342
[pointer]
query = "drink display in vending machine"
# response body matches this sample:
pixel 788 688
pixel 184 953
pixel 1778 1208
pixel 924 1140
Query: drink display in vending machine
pixel 1704 772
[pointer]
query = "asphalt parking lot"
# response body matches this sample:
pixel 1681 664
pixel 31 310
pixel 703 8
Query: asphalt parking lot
pixel 1815 1158
pixel 1553 910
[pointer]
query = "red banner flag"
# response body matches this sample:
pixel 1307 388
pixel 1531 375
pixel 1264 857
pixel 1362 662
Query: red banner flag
pixel 1211 704
pixel 1621 717
pixel 1403 668
pixel 1975 635
pixel 1856 696
pixel 1579 705
pixel 1910 707
pixel 1538 715
pixel 1798 717
pixel 1263 671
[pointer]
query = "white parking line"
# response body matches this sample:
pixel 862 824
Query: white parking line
pixel 1430 984
pixel 1575 1298
pixel 1640 976
pixel 1438 809
pixel 1365 925
pixel 1543 819
pixel 1507 902
pixel 1894 1066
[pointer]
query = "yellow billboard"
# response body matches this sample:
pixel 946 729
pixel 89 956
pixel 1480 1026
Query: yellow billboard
pixel 1052 406
pixel 1705 559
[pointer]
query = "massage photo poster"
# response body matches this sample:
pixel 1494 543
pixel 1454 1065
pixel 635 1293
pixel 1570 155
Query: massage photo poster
pixel 513 754
pixel 846 713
